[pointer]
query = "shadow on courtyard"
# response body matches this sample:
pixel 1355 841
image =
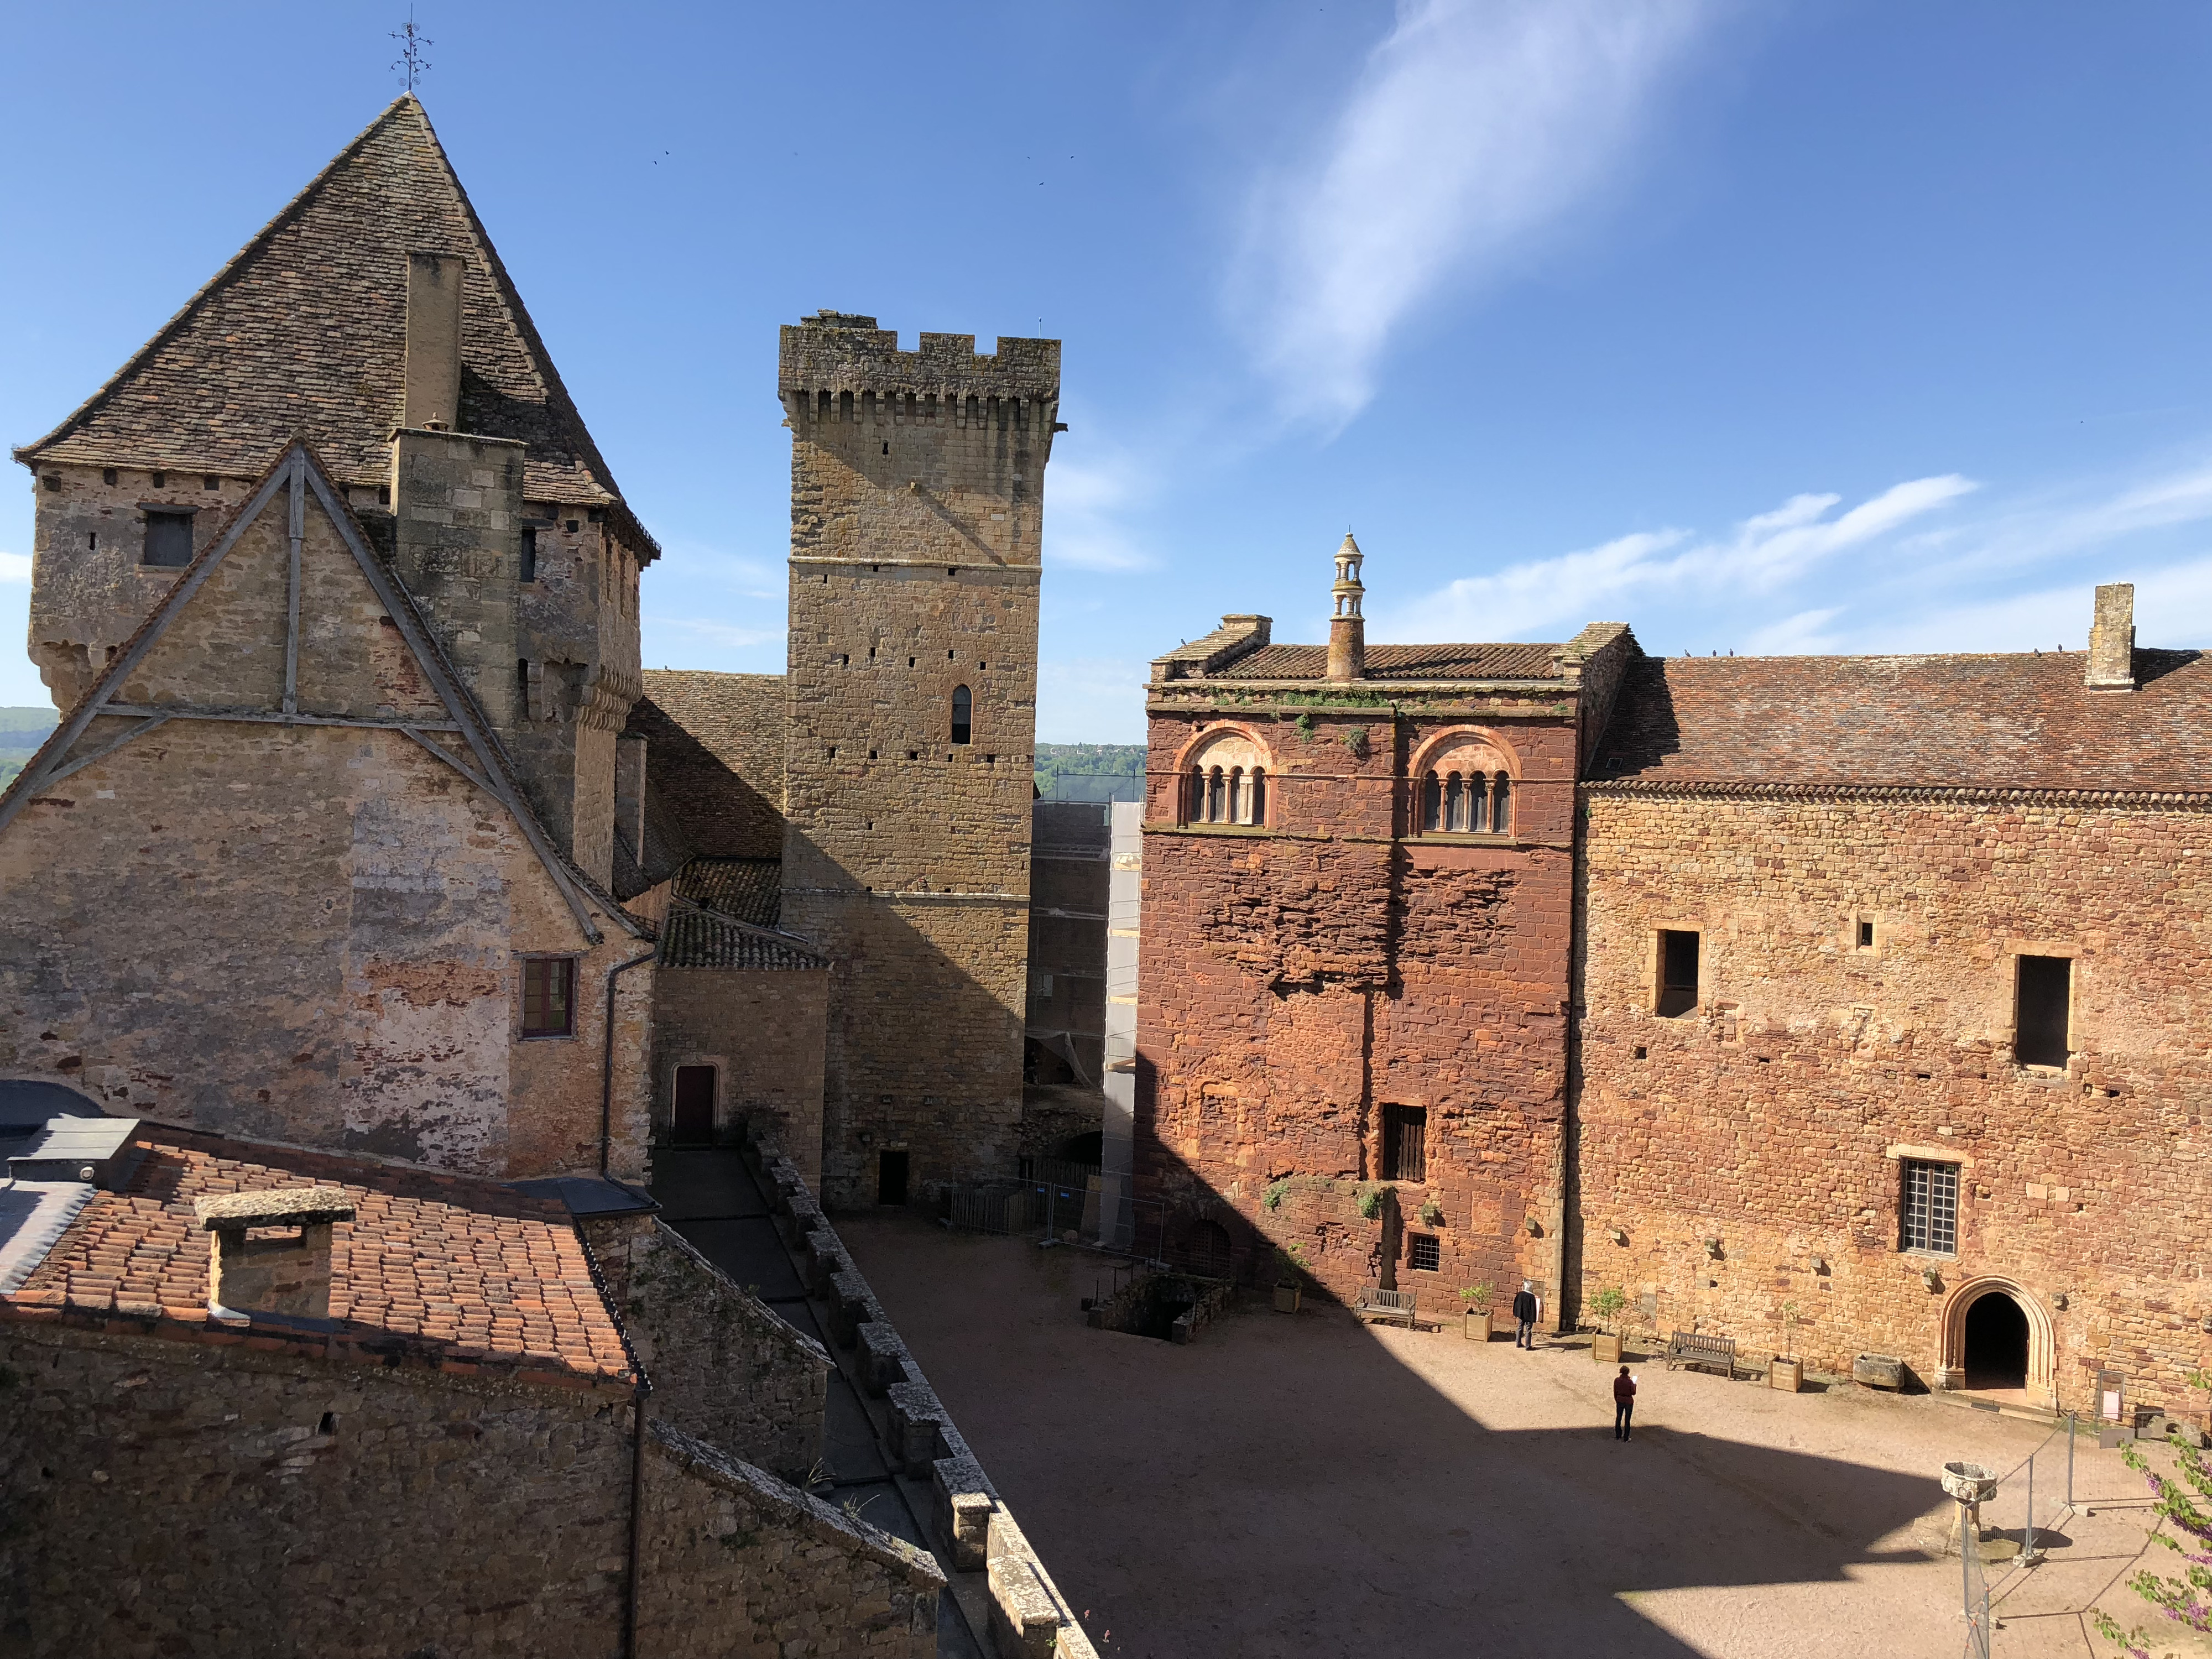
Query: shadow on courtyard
pixel 1291 1486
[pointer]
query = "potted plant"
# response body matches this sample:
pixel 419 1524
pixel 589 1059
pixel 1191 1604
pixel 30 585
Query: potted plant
pixel 1605 1347
pixel 1477 1298
pixel 1788 1371
pixel 1289 1286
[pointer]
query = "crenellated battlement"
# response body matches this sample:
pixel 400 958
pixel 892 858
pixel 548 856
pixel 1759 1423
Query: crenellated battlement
pixel 837 366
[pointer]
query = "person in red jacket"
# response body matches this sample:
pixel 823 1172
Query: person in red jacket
pixel 1624 1403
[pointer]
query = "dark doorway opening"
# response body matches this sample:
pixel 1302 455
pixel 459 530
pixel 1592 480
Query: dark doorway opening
pixel 695 1105
pixel 1678 973
pixel 1997 1343
pixel 2047 994
pixel 1088 1149
pixel 1206 1249
pixel 1405 1143
pixel 890 1178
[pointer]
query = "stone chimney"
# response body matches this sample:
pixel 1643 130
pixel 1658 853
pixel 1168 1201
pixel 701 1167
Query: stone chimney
pixel 2113 640
pixel 433 400
pixel 1348 629
pixel 287 1276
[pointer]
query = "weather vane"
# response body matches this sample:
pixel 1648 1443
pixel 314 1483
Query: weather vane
pixel 411 42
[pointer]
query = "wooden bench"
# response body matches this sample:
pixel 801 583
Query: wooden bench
pixel 1377 1304
pixel 1714 1353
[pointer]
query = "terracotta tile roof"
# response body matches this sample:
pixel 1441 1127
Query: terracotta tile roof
pixel 1401 662
pixel 303 334
pixel 714 753
pixel 751 890
pixel 692 937
pixel 2007 722
pixel 467 1268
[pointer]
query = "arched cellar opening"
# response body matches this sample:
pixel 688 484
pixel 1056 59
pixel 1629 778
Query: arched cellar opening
pixel 1206 1249
pixel 1995 1350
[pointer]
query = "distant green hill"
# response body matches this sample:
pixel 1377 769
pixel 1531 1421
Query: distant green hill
pixel 21 730
pixel 1091 771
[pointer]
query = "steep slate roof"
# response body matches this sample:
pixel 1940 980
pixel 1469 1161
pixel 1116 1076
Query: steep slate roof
pixel 466 1269
pixel 714 753
pixel 751 890
pixel 305 331
pixel 2010 722
pixel 692 937
pixel 1401 662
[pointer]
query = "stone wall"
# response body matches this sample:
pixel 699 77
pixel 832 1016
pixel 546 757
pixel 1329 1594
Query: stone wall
pixel 725 1368
pixel 184 1497
pixel 743 1565
pixel 1773 1117
pixel 916 500
pixel 354 906
pixel 715 756
pixel 764 1032
pixel 1298 978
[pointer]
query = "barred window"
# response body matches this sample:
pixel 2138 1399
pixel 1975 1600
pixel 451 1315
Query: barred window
pixel 1422 1254
pixel 1929 1211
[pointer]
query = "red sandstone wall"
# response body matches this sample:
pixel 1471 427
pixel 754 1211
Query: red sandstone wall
pixel 1298 978
pixel 1763 1118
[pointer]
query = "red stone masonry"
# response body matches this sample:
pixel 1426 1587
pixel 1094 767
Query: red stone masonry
pixel 470 1272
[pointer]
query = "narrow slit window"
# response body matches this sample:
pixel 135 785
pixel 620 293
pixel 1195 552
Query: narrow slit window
pixel 964 713
pixel 1866 936
pixel 1928 1211
pixel 549 996
pixel 169 538
pixel 2043 998
pixel 1678 972
pixel 1405 1143
pixel 529 552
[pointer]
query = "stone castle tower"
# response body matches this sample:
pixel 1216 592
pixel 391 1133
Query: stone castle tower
pixel 916 502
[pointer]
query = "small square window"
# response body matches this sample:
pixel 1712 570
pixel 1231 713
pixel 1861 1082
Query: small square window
pixel 108 475
pixel 549 996
pixel 168 539
pixel 1423 1255
pixel 1928 1211
pixel 210 481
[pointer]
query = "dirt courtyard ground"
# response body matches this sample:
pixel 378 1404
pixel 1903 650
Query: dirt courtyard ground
pixel 1305 1486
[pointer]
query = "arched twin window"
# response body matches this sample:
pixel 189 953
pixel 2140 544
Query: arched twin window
pixel 1466 791
pixel 1227 783
pixel 964 713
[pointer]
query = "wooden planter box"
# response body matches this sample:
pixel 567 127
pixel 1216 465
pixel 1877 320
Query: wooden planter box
pixel 1477 1327
pixel 1787 1374
pixel 1286 1298
pixel 1605 1349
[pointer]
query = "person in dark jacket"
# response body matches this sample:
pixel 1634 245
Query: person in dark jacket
pixel 1624 1403
pixel 1524 1315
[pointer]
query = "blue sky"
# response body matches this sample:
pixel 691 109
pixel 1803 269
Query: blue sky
pixel 1816 326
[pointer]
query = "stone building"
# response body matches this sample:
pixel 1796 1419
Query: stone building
pixel 350 893
pixel 1895 1010
pixel 1357 885
pixel 1833 1004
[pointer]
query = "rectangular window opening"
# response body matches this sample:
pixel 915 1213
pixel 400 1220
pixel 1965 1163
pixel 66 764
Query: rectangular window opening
pixel 1405 1143
pixel 1866 936
pixel 549 996
pixel 1678 972
pixel 1928 1210
pixel 529 552
pixel 890 1178
pixel 2043 998
pixel 1423 1253
pixel 168 539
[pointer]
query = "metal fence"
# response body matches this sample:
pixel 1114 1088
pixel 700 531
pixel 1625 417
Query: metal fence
pixel 1048 1199
pixel 2019 1523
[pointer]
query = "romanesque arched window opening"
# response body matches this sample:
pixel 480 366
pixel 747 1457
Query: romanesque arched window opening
pixel 1433 802
pixel 1466 789
pixel 1193 807
pixel 1226 782
pixel 1214 805
pixel 1256 799
pixel 1501 806
pixel 1235 795
pixel 964 712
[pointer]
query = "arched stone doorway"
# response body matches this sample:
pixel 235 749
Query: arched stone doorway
pixel 1996 1337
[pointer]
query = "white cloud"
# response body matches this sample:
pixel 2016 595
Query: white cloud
pixel 1085 500
pixel 1767 553
pixel 1474 127
pixel 14 567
